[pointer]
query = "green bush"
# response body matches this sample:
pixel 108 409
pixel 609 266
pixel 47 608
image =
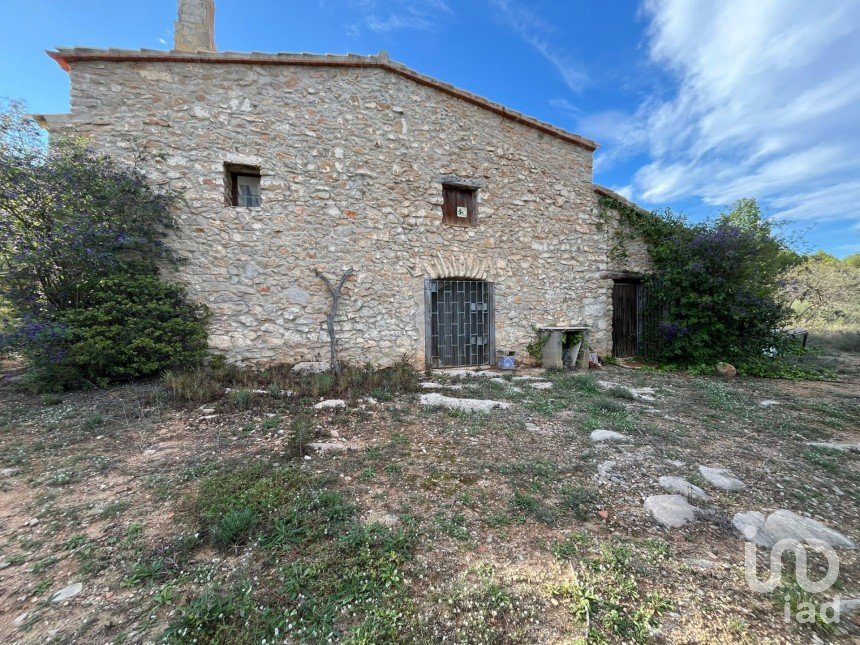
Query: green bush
pixel 124 326
pixel 714 293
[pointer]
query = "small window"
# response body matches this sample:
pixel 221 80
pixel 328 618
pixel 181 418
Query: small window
pixel 459 206
pixel 242 186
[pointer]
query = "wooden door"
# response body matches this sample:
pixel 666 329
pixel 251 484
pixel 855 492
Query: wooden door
pixel 625 337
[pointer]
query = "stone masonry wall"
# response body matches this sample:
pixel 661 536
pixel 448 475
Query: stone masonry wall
pixel 351 160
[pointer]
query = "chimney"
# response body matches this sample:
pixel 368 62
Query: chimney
pixel 194 30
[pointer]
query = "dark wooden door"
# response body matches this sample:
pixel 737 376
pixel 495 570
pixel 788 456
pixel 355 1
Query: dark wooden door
pixel 460 322
pixel 625 339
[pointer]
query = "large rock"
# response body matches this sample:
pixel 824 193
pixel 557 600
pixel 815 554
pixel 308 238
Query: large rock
pixel 840 447
pixel 671 511
pixel 721 478
pixel 682 487
pixel 329 404
pixel 784 524
pixel 725 369
pixel 470 405
pixel 608 435
pixel 310 367
pixel 67 592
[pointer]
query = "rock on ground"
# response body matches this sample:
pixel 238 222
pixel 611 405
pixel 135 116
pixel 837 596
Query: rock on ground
pixel 608 435
pixel 841 447
pixel 768 403
pixel 682 487
pixel 671 511
pixel 541 385
pixel 604 472
pixel 725 369
pixel 641 393
pixel 8 472
pixel 67 592
pixel 786 525
pixel 463 373
pixel 721 478
pixel 310 367
pixel 330 403
pixel 471 405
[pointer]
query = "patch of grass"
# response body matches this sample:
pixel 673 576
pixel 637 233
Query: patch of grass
pixel 567 547
pixel 602 594
pixel 241 398
pixel 62 477
pixel 806 604
pixel 453 524
pixel 584 384
pixel 40 566
pixel 580 500
pixel 345 589
pixel 531 507
pixel 270 423
pixel 233 527
pixel 607 405
pixel 280 505
pixel 164 562
pixel 114 508
pixel 824 458
pixel 93 421
pixel 52 399
pixel 476 608
pixel 198 386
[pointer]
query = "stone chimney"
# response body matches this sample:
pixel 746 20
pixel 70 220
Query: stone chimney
pixel 194 30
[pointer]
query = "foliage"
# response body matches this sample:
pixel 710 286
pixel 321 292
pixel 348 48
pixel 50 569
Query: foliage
pixel 81 238
pixel 602 594
pixel 68 216
pixel 535 347
pixel 715 285
pixel 207 383
pixel 124 325
pixel 340 579
pixel 822 292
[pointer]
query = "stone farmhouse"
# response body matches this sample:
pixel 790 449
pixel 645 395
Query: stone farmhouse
pixel 468 224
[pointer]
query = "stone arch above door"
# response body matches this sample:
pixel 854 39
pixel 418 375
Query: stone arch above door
pixel 460 265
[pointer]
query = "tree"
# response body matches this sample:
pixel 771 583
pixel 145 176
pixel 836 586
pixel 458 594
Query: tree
pixel 81 239
pixel 822 292
pixel 68 215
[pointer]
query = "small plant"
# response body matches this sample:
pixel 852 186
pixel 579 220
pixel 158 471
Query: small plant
pixel 93 421
pixel 300 433
pixel 580 500
pixel 241 398
pixel 453 524
pixel 270 423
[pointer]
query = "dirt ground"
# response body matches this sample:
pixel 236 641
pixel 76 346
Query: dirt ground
pixel 93 480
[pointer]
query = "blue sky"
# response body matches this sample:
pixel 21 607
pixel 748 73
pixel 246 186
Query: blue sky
pixel 695 104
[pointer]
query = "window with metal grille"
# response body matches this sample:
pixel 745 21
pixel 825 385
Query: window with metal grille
pixel 460 322
pixel 242 186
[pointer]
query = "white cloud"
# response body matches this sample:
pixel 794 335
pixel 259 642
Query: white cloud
pixel 398 15
pixel 541 36
pixel 766 104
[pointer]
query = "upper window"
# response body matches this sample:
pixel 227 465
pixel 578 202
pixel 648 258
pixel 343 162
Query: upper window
pixel 459 206
pixel 242 186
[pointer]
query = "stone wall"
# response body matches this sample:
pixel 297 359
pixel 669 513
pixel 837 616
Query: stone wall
pixel 351 160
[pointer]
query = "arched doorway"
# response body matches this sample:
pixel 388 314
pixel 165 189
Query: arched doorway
pixel 460 322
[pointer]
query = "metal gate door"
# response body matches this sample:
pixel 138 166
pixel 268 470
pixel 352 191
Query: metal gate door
pixel 460 322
